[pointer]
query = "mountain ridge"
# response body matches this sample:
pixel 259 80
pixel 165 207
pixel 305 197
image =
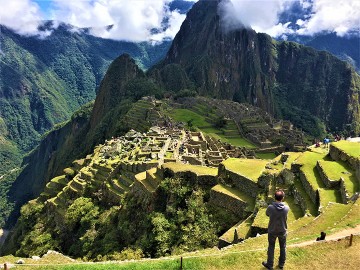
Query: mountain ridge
pixel 244 66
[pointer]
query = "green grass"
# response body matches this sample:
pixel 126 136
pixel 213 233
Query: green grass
pixel 295 210
pixel 250 168
pixel 261 220
pixel 199 170
pixel 266 155
pixel 351 148
pixel 326 221
pixel 234 193
pixel 293 156
pixel 311 207
pixel 185 115
pixel 325 255
pixel 309 160
pixel 199 121
pixel 336 169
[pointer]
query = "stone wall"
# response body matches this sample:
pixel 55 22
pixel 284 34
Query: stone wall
pixel 238 181
pixel 343 191
pixel 329 183
pixel 236 206
pixel 337 154
pixel 313 193
pixel 298 198
pixel 202 180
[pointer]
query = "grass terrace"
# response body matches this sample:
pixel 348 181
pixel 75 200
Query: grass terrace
pixel 261 220
pixel 309 160
pixel 335 170
pixel 351 148
pixel 266 155
pixel 243 229
pixel 235 193
pixel 311 207
pixel 200 121
pixel 295 210
pixel 250 168
pixel 293 156
pixel 198 170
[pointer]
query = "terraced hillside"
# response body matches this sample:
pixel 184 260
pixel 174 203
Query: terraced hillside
pixel 135 172
pixel 238 124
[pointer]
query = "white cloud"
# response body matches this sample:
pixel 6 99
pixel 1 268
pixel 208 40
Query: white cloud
pixel 261 15
pixel 23 16
pixel 131 20
pixel 339 16
pixel 135 20
pixel 175 21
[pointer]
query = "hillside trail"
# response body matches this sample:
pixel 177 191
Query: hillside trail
pixel 336 236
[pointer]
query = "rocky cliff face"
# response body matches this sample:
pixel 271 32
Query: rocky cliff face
pixel 245 66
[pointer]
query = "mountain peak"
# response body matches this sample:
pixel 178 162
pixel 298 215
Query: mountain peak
pixel 111 91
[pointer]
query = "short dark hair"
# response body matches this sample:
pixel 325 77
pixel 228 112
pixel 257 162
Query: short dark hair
pixel 279 195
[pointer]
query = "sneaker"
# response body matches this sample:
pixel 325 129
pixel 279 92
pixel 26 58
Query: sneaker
pixel 266 265
pixel 281 267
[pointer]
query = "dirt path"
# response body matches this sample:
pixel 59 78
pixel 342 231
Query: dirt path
pixel 335 236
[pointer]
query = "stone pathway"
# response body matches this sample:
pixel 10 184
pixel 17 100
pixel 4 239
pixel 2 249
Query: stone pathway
pixel 332 237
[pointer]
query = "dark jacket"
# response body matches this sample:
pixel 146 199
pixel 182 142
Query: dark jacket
pixel 278 218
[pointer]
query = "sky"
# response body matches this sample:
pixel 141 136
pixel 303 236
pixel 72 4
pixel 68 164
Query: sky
pixel 152 20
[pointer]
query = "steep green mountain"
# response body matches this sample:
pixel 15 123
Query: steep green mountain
pixel 44 80
pixel 124 83
pixel 295 82
pixel 346 48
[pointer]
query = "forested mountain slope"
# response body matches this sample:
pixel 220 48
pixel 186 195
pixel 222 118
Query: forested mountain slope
pixel 44 80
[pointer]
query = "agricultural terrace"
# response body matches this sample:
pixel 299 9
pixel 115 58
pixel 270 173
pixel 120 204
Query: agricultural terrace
pixel 351 148
pixel 198 170
pixel 249 168
pixel 308 160
pixel 228 134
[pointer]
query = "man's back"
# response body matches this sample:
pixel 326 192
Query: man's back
pixel 277 211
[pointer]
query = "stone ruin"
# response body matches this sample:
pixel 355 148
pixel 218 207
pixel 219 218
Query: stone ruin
pixel 161 144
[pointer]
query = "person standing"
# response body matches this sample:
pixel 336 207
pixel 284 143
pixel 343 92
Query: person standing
pixel 277 228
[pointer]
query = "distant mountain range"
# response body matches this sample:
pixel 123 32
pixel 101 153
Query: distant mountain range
pixel 44 80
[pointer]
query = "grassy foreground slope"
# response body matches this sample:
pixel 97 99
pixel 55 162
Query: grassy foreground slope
pixel 326 255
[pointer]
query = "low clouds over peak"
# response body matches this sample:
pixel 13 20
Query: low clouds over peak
pixel 314 16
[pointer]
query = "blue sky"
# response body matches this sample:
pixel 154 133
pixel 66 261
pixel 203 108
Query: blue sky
pixel 45 6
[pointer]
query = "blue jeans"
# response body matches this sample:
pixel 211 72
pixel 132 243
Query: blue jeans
pixel 271 249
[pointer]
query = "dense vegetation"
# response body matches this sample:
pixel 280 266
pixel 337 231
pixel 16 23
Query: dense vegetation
pixel 346 47
pixel 43 81
pixel 178 220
